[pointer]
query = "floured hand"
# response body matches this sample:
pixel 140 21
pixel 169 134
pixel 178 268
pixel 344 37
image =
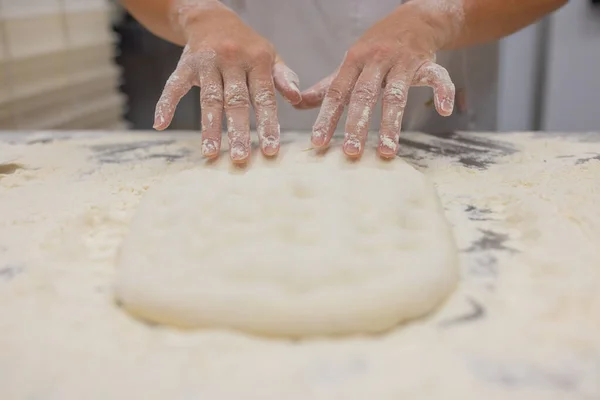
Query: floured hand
pixel 394 54
pixel 235 68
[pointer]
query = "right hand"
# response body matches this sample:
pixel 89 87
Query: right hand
pixel 234 67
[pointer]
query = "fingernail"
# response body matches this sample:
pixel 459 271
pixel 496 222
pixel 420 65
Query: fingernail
pixel 447 105
pixel 209 147
pixel 159 120
pixel 298 94
pixel 295 87
pixel 270 144
pixel 238 152
pixel 270 150
pixel 318 138
pixel 352 147
pixel 294 101
pixel 388 146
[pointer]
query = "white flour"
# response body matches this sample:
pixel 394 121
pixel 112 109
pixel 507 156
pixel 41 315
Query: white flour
pixel 61 337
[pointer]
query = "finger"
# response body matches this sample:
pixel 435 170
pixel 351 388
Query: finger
pixel 211 106
pixel 363 100
pixel 333 104
pixel 313 96
pixel 178 84
pixel 262 95
pixel 237 110
pixel 437 77
pixel 395 96
pixel 287 82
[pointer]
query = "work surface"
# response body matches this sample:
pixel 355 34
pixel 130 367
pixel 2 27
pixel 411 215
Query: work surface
pixel 523 324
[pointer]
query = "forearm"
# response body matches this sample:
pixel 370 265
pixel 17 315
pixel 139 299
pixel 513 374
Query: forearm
pixel 463 23
pixel 164 17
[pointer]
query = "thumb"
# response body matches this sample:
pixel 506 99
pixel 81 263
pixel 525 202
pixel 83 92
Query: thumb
pixel 313 96
pixel 287 82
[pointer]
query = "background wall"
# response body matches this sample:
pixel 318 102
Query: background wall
pixel 57 70
pixel 550 73
pixel 521 62
pixel 572 100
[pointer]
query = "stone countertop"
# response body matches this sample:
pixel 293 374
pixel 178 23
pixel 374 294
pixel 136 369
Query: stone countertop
pixel 513 199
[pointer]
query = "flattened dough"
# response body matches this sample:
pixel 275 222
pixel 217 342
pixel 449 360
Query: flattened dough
pixel 299 246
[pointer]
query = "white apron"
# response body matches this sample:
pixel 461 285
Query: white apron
pixel 312 37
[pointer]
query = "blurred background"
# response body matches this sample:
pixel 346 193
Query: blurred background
pixel 87 64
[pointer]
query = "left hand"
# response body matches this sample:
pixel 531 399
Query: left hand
pixel 394 54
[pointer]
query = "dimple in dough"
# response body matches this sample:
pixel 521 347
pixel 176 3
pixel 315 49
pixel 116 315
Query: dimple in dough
pixel 303 245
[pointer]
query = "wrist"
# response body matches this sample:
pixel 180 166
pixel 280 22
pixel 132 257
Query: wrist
pixel 439 20
pixel 183 13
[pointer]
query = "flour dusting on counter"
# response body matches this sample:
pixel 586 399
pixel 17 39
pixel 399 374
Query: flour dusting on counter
pixel 523 324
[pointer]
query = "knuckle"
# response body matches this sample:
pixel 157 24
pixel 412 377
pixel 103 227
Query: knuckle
pixel 451 88
pixel 237 101
pixel 427 73
pixel 177 75
pixel 354 55
pixel 236 97
pixel 365 93
pixel 265 98
pixel 380 52
pixel 211 96
pixel 186 64
pixel 176 87
pixel 335 94
pixel 395 94
pixel 196 59
pixel 261 55
pixel 373 52
pixel 434 75
pixel 228 49
pixel 210 101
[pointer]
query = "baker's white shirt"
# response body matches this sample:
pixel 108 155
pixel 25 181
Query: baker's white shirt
pixel 312 37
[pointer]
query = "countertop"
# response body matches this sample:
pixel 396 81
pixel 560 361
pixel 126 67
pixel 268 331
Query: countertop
pixel 524 322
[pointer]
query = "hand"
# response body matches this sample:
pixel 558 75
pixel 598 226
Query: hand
pixel 234 67
pixel 394 54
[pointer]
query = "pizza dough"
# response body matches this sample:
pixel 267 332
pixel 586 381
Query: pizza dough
pixel 302 245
